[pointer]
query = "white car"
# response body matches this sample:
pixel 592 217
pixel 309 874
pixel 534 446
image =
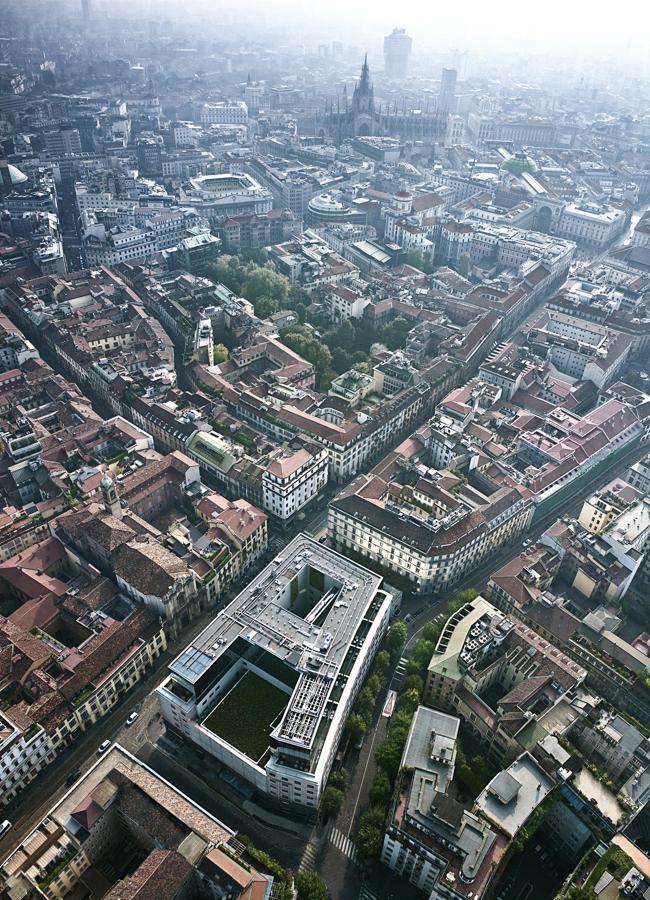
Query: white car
pixel 4 827
pixel 103 747
pixel 132 718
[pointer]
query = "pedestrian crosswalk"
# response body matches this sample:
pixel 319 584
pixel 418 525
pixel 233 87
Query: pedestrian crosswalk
pixel 341 842
pixel 308 858
pixel 400 669
pixel 366 894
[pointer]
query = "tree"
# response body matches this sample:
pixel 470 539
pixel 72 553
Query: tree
pixel 381 789
pixel 420 657
pixel 463 265
pixel 309 347
pixel 409 701
pixel 389 753
pixel 382 663
pixel 365 705
pixel 356 726
pixel 330 802
pixel 412 682
pixel 346 335
pixel 339 779
pixel 265 307
pixel 370 835
pixel 374 685
pixel 220 353
pixel 394 334
pixel 262 282
pixel 310 886
pixel 397 634
pixel 341 360
pixel 578 893
pixel 472 773
pixel 418 260
pixel 431 631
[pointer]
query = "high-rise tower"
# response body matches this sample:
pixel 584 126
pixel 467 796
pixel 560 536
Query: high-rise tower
pixel 447 96
pixel 397 50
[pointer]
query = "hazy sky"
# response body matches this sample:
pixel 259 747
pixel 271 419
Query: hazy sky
pixel 580 23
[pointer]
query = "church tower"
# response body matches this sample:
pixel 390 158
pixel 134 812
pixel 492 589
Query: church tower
pixel 112 503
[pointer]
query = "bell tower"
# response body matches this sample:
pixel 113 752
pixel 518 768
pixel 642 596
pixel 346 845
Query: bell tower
pixel 112 503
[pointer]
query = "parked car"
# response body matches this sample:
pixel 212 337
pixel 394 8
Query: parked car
pixel 70 780
pixel 103 747
pixel 4 827
pixel 132 718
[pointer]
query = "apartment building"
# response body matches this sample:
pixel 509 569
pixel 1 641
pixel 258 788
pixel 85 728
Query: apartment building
pixel 432 840
pixel 292 480
pixel 498 675
pixel 121 825
pixel 25 749
pixel 432 532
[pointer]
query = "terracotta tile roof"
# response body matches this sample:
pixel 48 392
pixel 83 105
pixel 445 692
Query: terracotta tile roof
pixel 287 464
pixel 162 874
pixel 150 567
pixel 26 644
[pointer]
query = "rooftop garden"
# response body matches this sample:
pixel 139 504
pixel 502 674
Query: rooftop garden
pixel 615 861
pixel 246 715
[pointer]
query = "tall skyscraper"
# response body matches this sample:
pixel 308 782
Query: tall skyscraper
pixel 85 9
pixel 397 49
pixel 447 96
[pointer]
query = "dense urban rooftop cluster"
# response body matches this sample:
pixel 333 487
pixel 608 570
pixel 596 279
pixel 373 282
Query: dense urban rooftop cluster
pixel 324 432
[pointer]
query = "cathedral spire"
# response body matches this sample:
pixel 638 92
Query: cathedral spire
pixel 365 73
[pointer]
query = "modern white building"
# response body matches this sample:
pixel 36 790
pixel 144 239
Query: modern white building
pixel 292 480
pixel 267 687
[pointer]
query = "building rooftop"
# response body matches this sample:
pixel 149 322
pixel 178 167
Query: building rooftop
pixel 514 794
pixel 267 614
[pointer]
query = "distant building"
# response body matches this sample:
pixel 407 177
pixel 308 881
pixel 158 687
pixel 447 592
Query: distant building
pixel 397 50
pixel 228 112
pixel 149 154
pixel 62 142
pixel 447 95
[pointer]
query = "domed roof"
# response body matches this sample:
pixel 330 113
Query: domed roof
pixel 106 482
pixel 17 177
pixel 519 163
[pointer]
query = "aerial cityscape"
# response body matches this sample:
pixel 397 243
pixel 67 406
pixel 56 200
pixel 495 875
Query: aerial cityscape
pixel 324 451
